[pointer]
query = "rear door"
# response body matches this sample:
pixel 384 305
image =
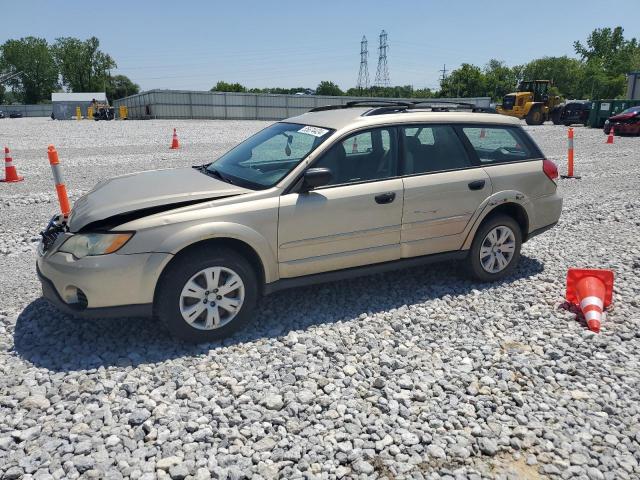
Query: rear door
pixel 443 189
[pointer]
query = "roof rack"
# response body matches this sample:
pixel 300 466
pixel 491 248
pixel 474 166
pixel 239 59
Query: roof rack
pixel 380 107
pixel 363 103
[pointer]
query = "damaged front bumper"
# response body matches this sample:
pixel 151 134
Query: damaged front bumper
pixel 111 285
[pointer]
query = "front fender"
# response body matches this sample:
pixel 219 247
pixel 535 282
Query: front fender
pixel 490 204
pixel 183 238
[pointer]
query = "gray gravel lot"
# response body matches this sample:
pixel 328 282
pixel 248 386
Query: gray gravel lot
pixel 420 373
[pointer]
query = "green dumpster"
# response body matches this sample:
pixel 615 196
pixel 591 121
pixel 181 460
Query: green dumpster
pixel 603 109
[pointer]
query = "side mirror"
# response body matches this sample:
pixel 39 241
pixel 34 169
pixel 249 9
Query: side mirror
pixel 315 177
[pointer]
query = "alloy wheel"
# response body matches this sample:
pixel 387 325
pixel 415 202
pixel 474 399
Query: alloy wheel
pixel 212 298
pixel 497 249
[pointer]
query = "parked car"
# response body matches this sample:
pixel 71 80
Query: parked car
pixel 572 112
pixel 15 114
pixel 334 193
pixel 1 114
pixel 626 122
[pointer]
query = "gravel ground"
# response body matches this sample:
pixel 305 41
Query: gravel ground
pixel 414 374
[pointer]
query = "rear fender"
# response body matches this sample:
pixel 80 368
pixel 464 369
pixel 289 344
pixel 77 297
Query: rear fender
pixel 489 205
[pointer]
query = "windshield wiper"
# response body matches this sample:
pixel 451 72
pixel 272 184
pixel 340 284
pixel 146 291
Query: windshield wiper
pixel 212 172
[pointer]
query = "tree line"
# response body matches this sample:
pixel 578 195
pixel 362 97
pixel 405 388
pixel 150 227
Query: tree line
pixel 43 68
pixel 598 71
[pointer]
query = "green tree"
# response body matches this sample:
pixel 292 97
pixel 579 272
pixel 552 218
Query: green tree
pixel 228 87
pixel 83 66
pixel 120 86
pixel 499 79
pixel 607 57
pixel 39 76
pixel 609 47
pixel 466 81
pixel 328 88
pixel 564 72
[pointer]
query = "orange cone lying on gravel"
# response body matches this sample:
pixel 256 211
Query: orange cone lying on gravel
pixel 610 137
pixel 10 172
pixel 174 142
pixel 592 291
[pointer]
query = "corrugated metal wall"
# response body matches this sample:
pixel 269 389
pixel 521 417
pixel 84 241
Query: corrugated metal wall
pixel 28 110
pixel 67 110
pixel 234 106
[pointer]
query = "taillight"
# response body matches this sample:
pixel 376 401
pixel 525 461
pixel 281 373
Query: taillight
pixel 550 169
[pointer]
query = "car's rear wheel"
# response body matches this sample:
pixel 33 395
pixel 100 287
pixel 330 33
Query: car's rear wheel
pixel 495 250
pixel 206 295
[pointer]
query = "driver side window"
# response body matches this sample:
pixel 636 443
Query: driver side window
pixel 363 156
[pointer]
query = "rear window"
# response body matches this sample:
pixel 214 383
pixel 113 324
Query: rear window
pixel 499 144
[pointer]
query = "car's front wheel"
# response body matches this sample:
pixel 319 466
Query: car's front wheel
pixel 206 294
pixel 495 250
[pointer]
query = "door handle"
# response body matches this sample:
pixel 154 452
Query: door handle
pixel 476 185
pixel 385 197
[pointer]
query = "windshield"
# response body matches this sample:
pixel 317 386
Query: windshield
pixel 632 110
pixel 266 158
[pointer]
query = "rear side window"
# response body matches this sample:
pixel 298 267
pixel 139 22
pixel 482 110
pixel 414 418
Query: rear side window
pixel 499 144
pixel 432 148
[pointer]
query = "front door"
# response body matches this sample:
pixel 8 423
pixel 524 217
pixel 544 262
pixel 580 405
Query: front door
pixel 354 220
pixel 443 190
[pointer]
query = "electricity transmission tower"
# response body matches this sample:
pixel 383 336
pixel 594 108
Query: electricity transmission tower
pixel 382 73
pixel 363 74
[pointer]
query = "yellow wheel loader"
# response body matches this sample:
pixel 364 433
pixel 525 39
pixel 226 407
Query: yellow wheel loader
pixel 531 101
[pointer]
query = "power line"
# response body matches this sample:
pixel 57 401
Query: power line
pixel 382 72
pixel 363 73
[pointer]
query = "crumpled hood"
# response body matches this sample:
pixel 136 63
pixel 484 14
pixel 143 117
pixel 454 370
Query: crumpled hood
pixel 145 190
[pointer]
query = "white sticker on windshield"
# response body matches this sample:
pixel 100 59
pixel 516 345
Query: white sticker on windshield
pixel 315 131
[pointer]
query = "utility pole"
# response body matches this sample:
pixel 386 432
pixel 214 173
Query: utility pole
pixel 363 74
pixel 382 72
pixel 444 73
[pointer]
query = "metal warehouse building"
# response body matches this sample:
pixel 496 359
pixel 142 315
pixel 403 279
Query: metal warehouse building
pixel 180 104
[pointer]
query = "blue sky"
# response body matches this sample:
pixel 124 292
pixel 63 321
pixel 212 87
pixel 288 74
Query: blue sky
pixel 193 44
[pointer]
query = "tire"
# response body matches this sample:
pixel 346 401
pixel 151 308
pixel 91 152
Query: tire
pixel 476 266
pixel 556 117
pixel 535 116
pixel 178 293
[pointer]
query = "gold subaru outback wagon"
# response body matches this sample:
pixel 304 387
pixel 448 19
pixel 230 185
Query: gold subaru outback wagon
pixel 336 192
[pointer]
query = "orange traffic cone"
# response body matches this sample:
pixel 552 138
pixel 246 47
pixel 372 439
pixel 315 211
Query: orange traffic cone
pixel 611 134
pixel 354 147
pixel 174 142
pixel 592 291
pixel 10 172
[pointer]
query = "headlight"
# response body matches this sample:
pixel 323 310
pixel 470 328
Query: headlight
pixel 88 244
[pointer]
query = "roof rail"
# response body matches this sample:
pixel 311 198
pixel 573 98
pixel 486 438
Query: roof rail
pixel 363 103
pixel 395 106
